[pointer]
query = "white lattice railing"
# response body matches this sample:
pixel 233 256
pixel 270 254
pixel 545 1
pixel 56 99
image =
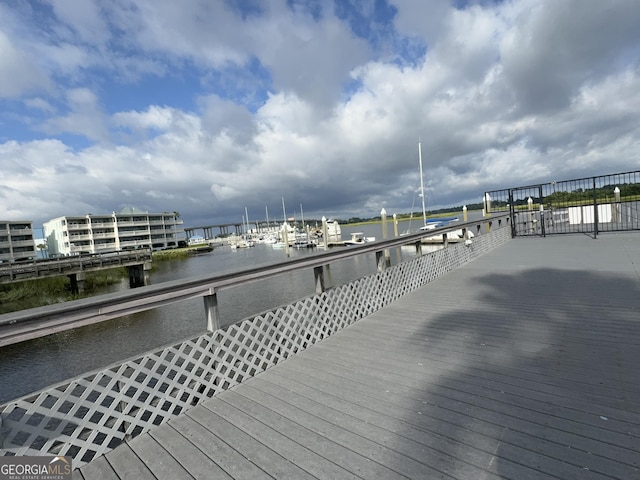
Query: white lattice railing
pixel 90 415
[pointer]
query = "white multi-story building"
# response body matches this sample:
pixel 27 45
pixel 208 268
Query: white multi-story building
pixel 126 230
pixel 16 241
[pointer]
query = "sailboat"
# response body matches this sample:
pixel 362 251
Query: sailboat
pixel 287 232
pixel 430 224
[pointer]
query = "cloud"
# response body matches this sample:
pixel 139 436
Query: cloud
pixel 221 116
pixel 206 109
pixel 308 57
pixel 85 117
pixel 40 104
pixel 154 118
pixel 555 47
pixel 84 19
pixel 19 74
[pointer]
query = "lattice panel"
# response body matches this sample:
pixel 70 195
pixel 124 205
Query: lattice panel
pixel 88 416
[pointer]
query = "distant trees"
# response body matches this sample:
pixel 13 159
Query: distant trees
pixel 586 195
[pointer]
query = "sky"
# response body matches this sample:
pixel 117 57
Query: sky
pixel 214 108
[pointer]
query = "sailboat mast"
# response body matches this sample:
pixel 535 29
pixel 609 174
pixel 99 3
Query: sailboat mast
pixel 424 210
pixel 284 212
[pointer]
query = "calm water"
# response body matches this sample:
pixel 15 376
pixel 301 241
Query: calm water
pixel 31 366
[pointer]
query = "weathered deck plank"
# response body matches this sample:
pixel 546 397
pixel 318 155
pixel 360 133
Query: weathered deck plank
pixel 522 364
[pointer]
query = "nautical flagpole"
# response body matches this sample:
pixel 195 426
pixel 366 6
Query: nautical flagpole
pixel 424 210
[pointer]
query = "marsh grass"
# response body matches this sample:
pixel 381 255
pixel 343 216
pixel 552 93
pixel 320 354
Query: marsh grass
pixel 51 290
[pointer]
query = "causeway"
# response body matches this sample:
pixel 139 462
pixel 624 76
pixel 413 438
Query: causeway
pixel 522 364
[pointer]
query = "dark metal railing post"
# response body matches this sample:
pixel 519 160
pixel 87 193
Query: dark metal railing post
pixel 512 214
pixel 541 211
pixel 595 209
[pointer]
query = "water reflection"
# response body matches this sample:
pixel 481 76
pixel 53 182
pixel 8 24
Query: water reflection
pixel 33 365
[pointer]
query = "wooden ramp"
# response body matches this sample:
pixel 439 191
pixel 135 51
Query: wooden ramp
pixel 523 364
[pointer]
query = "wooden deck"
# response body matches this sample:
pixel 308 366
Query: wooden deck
pixel 523 364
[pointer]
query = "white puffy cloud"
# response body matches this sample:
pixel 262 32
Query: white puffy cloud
pixel 196 107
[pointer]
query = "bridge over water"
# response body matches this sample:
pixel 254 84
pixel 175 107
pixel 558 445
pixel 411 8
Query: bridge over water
pixel 223 229
pixel 495 358
pixel 137 263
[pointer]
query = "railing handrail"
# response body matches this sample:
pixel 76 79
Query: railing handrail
pixel 85 311
pixel 74 260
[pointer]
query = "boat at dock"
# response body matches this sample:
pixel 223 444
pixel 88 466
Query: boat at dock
pixel 433 223
pixel 358 238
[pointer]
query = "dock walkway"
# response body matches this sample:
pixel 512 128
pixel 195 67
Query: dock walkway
pixel 522 364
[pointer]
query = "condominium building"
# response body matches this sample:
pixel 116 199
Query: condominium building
pixel 16 241
pixel 127 230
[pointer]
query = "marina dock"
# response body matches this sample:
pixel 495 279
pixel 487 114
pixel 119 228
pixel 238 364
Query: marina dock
pixel 520 364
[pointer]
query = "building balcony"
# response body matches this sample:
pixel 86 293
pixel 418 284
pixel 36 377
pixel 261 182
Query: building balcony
pixel 79 237
pixel 13 230
pixel 23 243
pixel 100 247
pixel 104 235
pixel 134 243
pixel 133 233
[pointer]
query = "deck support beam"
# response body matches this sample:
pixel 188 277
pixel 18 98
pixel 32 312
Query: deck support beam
pixel 139 274
pixel 77 282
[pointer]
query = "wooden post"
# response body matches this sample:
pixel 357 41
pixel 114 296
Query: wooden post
pixel 380 260
pixel 136 275
pixel 487 205
pixel 211 311
pixel 77 282
pixel 617 211
pixel 325 233
pixel 395 234
pixel 285 236
pixel 147 272
pixel 318 273
pixel 383 215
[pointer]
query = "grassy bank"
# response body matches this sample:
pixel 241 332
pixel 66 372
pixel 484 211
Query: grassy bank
pixel 48 291
pixel 405 217
pixel 176 253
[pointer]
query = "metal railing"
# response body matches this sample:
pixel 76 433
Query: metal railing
pixel 87 416
pixel 590 205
